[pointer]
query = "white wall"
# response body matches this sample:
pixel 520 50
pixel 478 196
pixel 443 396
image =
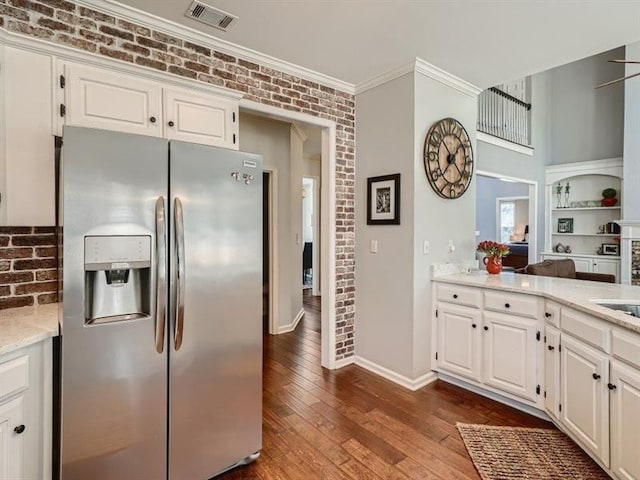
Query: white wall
pixel 272 140
pixel 384 281
pixel 631 165
pixel 587 123
pixel 436 219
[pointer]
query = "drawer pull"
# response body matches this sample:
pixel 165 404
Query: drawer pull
pixel 473 325
pixel 611 386
pixel 19 429
pixel 152 119
pixel 547 314
pixel 486 328
pixel 455 295
pixel 551 348
pixel 506 305
pixel 171 124
pixel 596 376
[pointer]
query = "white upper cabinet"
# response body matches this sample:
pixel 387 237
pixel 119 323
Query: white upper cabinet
pixel 110 100
pixel 27 167
pixel 198 118
pixel 584 412
pixel 510 348
pixel 98 98
pixel 625 421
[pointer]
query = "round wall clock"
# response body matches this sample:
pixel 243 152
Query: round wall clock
pixel 448 158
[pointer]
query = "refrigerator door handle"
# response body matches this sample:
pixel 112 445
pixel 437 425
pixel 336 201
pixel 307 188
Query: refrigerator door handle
pixel 180 272
pixel 161 268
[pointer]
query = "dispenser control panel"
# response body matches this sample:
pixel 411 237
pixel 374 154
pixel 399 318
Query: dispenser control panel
pixel 117 252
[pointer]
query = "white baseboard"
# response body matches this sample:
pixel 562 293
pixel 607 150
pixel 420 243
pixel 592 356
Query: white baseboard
pixel 343 362
pixel 291 326
pixel 495 396
pixel 406 382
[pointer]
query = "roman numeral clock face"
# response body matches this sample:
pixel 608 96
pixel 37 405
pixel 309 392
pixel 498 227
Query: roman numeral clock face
pixel 448 158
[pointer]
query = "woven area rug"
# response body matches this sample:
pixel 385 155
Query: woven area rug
pixel 509 453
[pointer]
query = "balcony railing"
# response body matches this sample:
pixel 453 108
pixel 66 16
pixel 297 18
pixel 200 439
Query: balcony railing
pixel 504 116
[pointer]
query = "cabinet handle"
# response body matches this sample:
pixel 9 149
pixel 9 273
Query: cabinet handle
pixel 596 376
pixel 486 328
pixel 474 325
pixel 547 314
pixel 152 119
pixel 171 124
pixel 611 386
pixel 551 348
pixel 19 429
pixel 455 295
pixel 506 305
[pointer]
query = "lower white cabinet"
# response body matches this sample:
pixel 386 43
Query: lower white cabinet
pixel 552 371
pixel 12 439
pixel 26 413
pixel 590 263
pixel 584 408
pixel 624 398
pixel 510 353
pixel 608 266
pixel 459 341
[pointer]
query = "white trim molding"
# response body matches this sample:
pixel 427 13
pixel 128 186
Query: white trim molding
pixel 290 327
pixel 406 382
pixel 606 166
pixel 499 142
pixel 112 7
pixel 423 68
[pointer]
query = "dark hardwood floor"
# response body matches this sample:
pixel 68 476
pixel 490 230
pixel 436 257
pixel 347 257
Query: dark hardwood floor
pixel 353 425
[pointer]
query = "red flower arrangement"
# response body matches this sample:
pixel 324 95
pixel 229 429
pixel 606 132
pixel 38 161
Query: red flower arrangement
pixel 493 249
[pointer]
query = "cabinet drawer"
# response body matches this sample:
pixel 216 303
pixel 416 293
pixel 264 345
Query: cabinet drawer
pixel 14 376
pixel 459 295
pixel 586 328
pixel 524 305
pixel 626 346
pixel 552 314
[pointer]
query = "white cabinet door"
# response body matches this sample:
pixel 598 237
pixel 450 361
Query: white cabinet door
pixel 510 348
pixel 583 264
pixel 625 421
pixel 607 265
pixel 200 118
pixel 584 375
pixel 11 439
pixel 552 371
pixel 459 340
pixel 99 98
pixel 26 140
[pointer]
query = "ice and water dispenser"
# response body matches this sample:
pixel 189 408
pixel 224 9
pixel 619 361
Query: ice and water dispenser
pixel 117 276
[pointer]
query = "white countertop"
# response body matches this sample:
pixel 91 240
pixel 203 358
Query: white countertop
pixel 573 293
pixel 23 326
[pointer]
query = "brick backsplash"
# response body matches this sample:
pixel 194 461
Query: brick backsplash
pixel 28 266
pixel 83 28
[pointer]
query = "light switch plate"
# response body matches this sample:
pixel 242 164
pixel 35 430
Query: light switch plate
pixel 374 246
pixel 425 247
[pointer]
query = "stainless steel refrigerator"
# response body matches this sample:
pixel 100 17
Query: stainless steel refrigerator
pixel 161 357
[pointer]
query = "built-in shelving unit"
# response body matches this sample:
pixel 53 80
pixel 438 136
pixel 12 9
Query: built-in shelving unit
pixel 586 180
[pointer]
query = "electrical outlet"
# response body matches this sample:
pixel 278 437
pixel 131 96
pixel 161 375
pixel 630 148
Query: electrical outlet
pixel 425 247
pixel 374 246
pixel 451 248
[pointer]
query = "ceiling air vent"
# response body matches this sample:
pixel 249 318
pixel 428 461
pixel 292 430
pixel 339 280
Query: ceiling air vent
pixel 211 16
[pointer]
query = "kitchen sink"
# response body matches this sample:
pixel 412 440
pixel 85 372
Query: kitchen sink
pixel 623 306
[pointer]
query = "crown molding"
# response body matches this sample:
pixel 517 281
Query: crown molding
pixel 423 68
pixel 446 78
pixel 117 9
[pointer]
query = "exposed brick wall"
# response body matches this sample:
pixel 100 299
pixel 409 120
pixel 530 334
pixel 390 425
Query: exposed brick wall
pixel 82 28
pixel 28 265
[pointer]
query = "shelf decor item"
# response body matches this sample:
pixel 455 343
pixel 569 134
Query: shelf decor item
pixel 610 249
pixel 609 197
pixel 565 225
pixel 493 252
pixel 383 200
pixel 559 195
pixel 567 189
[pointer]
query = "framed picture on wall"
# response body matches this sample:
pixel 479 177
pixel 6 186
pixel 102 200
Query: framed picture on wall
pixel 383 200
pixel 565 225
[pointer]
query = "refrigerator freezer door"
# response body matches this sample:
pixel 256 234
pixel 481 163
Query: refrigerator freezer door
pixel 215 394
pixel 114 380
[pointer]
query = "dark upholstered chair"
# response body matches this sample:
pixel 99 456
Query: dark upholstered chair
pixel 565 269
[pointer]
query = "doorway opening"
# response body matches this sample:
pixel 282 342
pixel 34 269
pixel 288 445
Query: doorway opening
pixel 506 212
pixel 311 235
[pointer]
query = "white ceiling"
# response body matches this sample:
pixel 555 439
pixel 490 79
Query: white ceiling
pixel 482 41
